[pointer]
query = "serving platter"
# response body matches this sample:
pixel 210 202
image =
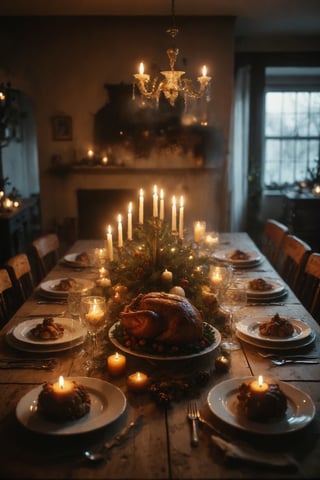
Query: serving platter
pixel 222 401
pixel 108 402
pixel 151 356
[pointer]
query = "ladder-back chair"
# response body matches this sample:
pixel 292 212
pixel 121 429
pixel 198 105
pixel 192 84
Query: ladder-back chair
pixel 20 272
pixel 273 235
pixel 46 252
pixel 8 300
pixel 309 287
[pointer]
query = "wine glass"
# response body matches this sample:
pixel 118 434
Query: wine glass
pixel 231 299
pixel 93 314
pixel 220 277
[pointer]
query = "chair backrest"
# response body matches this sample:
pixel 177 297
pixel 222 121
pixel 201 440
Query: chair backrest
pixel 309 286
pixel 293 257
pixel 46 253
pixel 8 301
pixel 273 235
pixel 20 272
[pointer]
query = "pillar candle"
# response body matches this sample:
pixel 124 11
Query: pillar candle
pixel 116 364
pixel 109 243
pixel 141 207
pixel 161 205
pixel 155 201
pixel 130 221
pixel 259 387
pixel 62 387
pixel 181 215
pixel 120 236
pixel 138 382
pixel 174 214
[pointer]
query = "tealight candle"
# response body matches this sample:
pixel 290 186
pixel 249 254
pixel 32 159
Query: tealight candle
pixel 259 387
pixel 138 382
pixel 62 387
pixel 116 364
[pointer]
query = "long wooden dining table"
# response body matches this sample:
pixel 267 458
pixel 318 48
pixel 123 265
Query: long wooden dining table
pixel 159 447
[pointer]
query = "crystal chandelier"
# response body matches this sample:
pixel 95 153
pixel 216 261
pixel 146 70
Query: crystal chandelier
pixel 172 84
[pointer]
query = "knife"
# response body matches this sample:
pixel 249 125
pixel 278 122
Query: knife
pixel 122 435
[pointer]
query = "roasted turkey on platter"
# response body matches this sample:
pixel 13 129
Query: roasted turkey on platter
pixel 163 316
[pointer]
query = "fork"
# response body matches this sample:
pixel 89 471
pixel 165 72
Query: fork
pixel 192 415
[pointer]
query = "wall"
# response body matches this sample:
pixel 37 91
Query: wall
pixel 64 62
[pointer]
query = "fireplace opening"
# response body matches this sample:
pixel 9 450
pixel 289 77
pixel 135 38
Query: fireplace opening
pixel 99 208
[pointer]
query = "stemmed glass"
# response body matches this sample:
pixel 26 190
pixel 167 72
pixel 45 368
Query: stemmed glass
pixel 220 277
pixel 231 299
pixel 93 311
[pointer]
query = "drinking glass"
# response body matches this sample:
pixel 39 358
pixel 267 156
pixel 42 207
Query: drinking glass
pixel 220 276
pixel 93 314
pixel 231 299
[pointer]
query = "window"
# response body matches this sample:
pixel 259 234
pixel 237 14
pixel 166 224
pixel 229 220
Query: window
pixel 292 126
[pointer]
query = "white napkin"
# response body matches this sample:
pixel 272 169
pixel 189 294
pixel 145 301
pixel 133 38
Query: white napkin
pixel 243 451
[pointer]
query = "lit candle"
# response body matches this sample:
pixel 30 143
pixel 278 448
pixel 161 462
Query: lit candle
pixel 90 153
pixel 16 204
pixel 174 214
pixel 166 276
pixel 216 277
pixel 104 160
pixel 116 364
pixel 141 207
pixel 138 382
pixel 102 272
pixel 155 201
pixel 109 243
pixel 199 229
pixel 95 314
pixel 143 77
pixel 130 221
pixel 259 387
pixel 120 236
pixel 62 387
pixel 7 203
pixel 161 205
pixel 181 218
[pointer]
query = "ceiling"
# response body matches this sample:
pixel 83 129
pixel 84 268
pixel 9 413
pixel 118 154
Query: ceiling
pixel 254 17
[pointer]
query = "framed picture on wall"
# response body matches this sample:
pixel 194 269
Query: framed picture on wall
pixel 62 127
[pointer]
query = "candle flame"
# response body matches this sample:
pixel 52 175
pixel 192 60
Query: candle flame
pixel 155 189
pixel 130 208
pixel 138 376
pixel 119 218
pixel 181 201
pixel 109 228
pixel 260 380
pixel 141 192
pixel 161 194
pixel 173 201
pixel 117 355
pixel 141 68
pixel 61 382
pixel 204 71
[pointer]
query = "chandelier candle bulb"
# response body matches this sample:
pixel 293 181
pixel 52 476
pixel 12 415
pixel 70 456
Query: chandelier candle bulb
pixel 141 207
pixel 120 236
pixel 161 205
pixel 174 214
pixel 138 382
pixel 109 243
pixel 155 201
pixel 116 364
pixel 181 215
pixel 259 387
pixel 130 221
pixel 62 387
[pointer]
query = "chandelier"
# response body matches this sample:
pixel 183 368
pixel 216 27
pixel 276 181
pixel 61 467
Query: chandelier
pixel 172 84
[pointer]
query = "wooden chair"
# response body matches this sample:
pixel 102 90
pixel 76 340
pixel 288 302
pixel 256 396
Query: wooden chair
pixel 273 235
pixel 20 272
pixel 8 301
pixel 46 252
pixel 293 257
pixel 309 286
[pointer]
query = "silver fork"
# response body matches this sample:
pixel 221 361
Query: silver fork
pixel 192 415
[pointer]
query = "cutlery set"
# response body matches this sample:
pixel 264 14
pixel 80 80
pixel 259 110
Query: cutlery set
pixel 28 363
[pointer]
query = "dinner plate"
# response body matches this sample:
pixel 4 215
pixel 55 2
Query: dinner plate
pixel 26 347
pixel 71 259
pixel 278 346
pixel 250 328
pixel 223 402
pixel 277 288
pixel 73 330
pixel 225 256
pixel 49 287
pixel 107 404
pixel 150 356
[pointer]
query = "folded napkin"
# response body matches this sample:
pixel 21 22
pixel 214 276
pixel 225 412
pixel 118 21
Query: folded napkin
pixel 244 452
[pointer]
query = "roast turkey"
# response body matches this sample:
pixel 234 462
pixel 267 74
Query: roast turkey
pixel 163 316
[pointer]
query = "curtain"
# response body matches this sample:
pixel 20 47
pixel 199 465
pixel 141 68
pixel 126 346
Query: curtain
pixel 239 152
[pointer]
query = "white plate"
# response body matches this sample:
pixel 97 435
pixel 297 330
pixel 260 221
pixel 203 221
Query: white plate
pixel 73 331
pixel 107 404
pixel 277 288
pixel 71 259
pixel 277 346
pixel 49 286
pixel 225 256
pixel 25 347
pixel 223 402
pixel 250 328
pixel 150 356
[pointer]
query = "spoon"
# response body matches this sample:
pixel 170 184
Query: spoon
pixel 101 455
pixel 284 361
